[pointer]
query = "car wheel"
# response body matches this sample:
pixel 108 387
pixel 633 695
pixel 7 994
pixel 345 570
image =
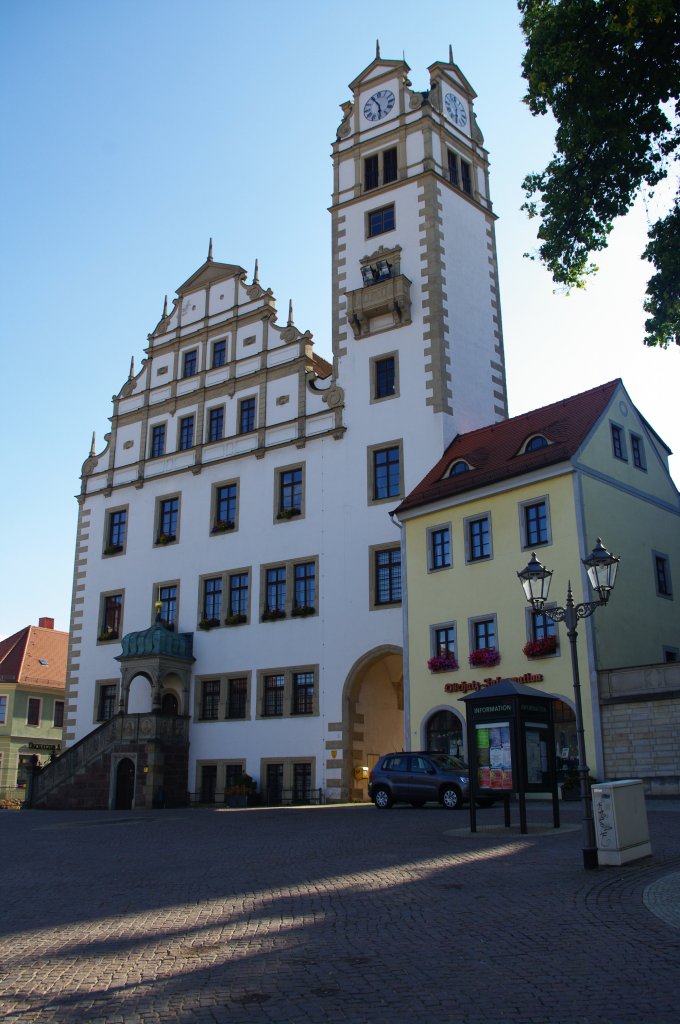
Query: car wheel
pixel 417 803
pixel 450 798
pixel 382 798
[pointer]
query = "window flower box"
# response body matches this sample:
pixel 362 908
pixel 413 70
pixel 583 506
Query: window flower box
pixel 443 663
pixel 540 648
pixel 302 610
pixel 223 525
pixel 113 549
pixel 208 623
pixel 272 614
pixel 484 657
pixel 107 634
pixel 234 620
pixel 288 513
pixel 166 538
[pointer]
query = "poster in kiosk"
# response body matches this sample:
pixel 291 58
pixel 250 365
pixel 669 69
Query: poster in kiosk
pixel 511 747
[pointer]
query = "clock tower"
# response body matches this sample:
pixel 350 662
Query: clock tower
pixel 415 278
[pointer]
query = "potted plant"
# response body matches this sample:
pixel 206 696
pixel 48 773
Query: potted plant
pixel 301 610
pixel 444 662
pixel 234 620
pixel 288 513
pixel 272 614
pixel 208 623
pixel 113 549
pixel 222 525
pixel 540 648
pixel 241 790
pixel 166 538
pixel 484 657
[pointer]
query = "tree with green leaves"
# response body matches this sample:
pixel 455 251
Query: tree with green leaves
pixel 609 71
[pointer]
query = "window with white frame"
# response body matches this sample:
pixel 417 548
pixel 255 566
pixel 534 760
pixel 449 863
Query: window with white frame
pixel 4 700
pixel 106 698
pixel 110 617
pixel 115 531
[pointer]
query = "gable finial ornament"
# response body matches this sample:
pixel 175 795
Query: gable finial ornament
pixel 92 446
pixel 210 255
pixel 377 49
pixel 256 275
pixel 450 54
pixel 132 368
pixel 290 313
pixel 165 308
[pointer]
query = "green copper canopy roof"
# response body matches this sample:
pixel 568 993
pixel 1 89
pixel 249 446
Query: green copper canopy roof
pixel 158 640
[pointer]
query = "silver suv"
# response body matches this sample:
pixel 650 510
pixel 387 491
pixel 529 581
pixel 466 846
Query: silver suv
pixel 419 776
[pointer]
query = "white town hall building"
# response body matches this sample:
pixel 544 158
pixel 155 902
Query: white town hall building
pixel 236 564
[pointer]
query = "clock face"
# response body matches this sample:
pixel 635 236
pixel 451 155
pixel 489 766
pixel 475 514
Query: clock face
pixel 379 105
pixel 455 109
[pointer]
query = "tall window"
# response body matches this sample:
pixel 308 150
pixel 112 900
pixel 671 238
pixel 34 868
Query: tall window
pixel 158 440
pixel 33 715
pixel 168 600
pixel 219 353
pixel 372 169
pixel 190 364
pixel 454 176
pixel 386 473
pixel 238 693
pixel 112 614
pixel 440 548
pixel 186 433
pixel 479 539
pixel 208 783
pixel 246 416
pixel 542 626
pixel 238 594
pixel 212 599
pixel 117 529
pixel 303 693
pixel 637 451
pixel 168 515
pixel 384 377
pixel 444 640
pixel 274 777
pixel 211 699
pixel 290 492
pixel 618 443
pixel 380 221
pixel 276 589
pixel 483 634
pixel 58 719
pixel 371 173
pixel 226 498
pixel 388 576
pixel 273 695
pixel 389 165
pixel 305 585
pixel 662 570
pixel 107 702
pixel 466 177
pixel 3 709
pixel 302 782
pixel 535 524
pixel 216 424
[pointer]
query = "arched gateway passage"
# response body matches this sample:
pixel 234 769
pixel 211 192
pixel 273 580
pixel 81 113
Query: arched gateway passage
pixel 373 715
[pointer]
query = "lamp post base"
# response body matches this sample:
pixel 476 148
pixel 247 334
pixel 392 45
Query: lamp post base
pixel 590 858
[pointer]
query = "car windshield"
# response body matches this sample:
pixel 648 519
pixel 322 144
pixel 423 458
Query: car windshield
pixel 449 762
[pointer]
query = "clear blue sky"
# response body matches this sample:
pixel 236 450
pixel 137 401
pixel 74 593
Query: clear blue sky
pixel 135 130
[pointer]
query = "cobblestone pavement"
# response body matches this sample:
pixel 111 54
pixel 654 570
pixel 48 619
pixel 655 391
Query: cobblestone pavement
pixel 343 914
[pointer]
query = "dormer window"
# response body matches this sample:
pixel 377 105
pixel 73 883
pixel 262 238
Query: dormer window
pixel 461 466
pixel 535 443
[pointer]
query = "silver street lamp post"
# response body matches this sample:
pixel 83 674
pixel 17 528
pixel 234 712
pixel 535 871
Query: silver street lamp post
pixel 602 567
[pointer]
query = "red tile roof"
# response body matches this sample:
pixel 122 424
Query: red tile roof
pixel 21 654
pixel 494 453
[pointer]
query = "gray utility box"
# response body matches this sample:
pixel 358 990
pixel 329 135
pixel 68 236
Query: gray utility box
pixel 620 821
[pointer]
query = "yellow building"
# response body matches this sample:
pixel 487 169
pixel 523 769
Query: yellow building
pixel 551 481
pixel 32 687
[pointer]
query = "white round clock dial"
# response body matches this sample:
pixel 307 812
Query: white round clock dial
pixel 455 108
pixel 379 105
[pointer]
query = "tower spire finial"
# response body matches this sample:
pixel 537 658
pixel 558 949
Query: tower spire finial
pixel 210 256
pixel 256 275
pixel 290 313
pixel 450 54
pixel 377 49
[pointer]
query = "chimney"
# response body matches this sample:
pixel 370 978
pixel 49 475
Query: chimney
pixel 46 623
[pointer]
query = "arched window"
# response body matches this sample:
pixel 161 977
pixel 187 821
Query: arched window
pixel 535 443
pixel 445 733
pixel 461 466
